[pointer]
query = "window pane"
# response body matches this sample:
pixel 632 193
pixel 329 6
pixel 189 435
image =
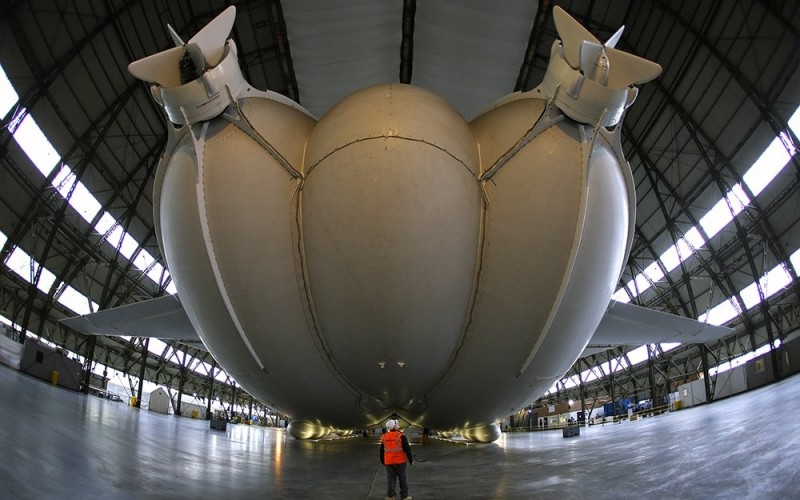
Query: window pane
pixel 31 139
pixel 8 96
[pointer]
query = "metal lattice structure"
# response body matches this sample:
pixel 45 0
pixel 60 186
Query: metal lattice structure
pixel 729 87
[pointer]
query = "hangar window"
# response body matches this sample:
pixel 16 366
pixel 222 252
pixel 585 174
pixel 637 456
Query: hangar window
pixel 8 96
pixel 43 155
pixel 82 200
pixel 776 279
pixel 32 140
pixel 771 162
pixel 26 268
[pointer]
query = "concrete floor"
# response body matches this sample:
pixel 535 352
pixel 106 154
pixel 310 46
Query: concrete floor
pixel 55 443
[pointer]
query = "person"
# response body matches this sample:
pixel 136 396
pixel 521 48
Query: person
pixel 395 450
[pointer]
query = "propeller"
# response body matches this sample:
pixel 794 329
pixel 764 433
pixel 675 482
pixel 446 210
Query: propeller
pixel 598 61
pixel 204 50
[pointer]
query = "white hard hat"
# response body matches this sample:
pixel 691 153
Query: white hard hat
pixel 391 424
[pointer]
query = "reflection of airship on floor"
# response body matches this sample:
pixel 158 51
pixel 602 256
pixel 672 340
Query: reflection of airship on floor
pixel 392 258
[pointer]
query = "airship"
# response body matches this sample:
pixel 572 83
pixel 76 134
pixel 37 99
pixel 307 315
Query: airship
pixel 391 258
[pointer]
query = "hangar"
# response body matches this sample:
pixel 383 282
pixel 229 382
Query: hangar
pixel 712 145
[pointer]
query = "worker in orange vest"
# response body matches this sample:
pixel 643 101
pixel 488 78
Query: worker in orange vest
pixel 395 450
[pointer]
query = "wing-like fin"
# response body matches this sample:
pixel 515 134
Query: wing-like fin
pixel 628 324
pixel 162 317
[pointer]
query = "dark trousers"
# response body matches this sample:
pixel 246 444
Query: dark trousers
pixel 394 472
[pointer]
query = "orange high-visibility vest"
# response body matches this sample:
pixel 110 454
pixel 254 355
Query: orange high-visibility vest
pixel 393 448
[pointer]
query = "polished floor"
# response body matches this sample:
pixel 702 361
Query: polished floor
pixel 59 444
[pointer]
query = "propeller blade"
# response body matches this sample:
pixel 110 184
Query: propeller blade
pixel 613 39
pixel 572 36
pixel 161 68
pixel 174 35
pixel 628 69
pixel 211 39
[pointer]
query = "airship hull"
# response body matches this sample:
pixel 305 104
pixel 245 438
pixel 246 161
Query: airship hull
pixel 385 272
pixel 556 239
pixel 228 229
pixel 391 258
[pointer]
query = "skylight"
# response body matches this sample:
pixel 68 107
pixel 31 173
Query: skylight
pixel 32 140
pixel 82 200
pixel 773 282
pixel 25 267
pixel 22 265
pixel 771 162
pixel 744 358
pixel 720 314
pixel 8 96
pixel 105 223
pixel 44 156
pixel 774 159
pixel 720 214
pixel 19 262
pixel 76 301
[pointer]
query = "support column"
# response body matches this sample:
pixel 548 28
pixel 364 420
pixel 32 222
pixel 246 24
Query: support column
pixel 234 389
pixel 706 376
pixel 636 391
pixel 178 410
pixel 140 386
pixel 668 386
pixel 773 354
pixel 87 365
pixel 211 386
pixel 583 396
pixel 651 375
pixel 613 397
